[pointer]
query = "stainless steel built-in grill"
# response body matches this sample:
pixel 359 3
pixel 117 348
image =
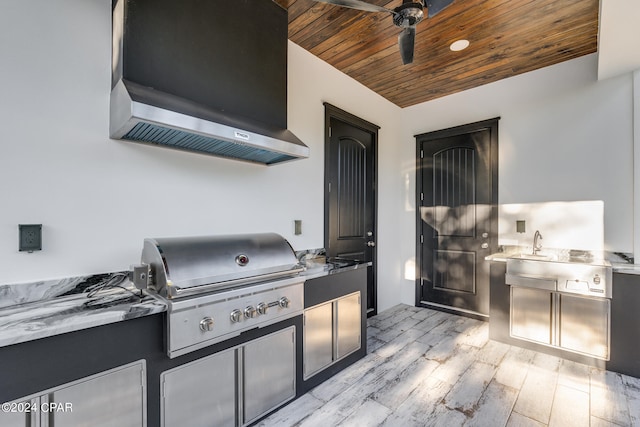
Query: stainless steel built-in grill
pixel 219 286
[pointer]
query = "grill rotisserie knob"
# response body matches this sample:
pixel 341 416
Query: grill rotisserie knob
pixel 250 312
pixel 262 308
pixel 235 316
pixel 206 324
pixel 283 302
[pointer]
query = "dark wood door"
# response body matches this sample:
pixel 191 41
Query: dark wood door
pixel 350 196
pixel 457 196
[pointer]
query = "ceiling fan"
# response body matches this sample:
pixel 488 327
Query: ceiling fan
pixel 405 16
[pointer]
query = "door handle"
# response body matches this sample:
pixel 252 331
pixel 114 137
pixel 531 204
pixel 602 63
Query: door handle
pixel 371 243
pixel 484 245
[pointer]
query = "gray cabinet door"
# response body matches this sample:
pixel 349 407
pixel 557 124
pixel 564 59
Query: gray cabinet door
pixel 531 315
pixel 348 324
pixel 20 413
pixel 115 398
pixel 318 338
pixel 584 325
pixel 269 377
pixel 201 393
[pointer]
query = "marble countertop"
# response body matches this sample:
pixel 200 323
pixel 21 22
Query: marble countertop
pixel 320 268
pixel 29 311
pixel 620 263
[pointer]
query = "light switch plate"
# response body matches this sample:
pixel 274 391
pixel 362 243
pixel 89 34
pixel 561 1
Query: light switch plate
pixel 297 227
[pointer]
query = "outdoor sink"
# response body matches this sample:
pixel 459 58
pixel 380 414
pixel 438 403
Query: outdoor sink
pixel 536 257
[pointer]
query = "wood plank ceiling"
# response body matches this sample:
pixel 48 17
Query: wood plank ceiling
pixel 508 37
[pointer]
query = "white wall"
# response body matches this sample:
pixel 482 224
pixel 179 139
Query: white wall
pixel 563 136
pixel 98 199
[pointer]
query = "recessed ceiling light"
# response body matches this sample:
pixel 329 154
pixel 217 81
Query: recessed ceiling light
pixel 459 45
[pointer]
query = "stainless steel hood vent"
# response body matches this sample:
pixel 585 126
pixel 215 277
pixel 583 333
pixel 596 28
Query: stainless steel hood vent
pixel 173 85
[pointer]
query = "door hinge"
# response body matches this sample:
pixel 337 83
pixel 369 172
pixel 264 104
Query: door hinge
pixel 421 238
pixel 329 187
pixel 422 154
pixel 422 197
pixel 329 131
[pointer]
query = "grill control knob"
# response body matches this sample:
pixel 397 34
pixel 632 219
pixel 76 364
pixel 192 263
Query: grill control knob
pixel 262 308
pixel 596 280
pixel 250 312
pixel 235 316
pixel 206 324
pixel 283 302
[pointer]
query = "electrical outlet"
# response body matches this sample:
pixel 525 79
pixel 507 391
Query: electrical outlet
pixel 520 226
pixel 30 237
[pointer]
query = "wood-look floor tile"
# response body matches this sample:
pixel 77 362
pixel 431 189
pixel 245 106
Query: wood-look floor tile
pixel 494 407
pixel 396 344
pixel 492 353
pixel 369 414
pixel 519 420
pixel 570 408
pixel 466 393
pixel 430 368
pixel 606 402
pixel 514 367
pixel 452 369
pixel 294 412
pixel 423 401
pixel 396 391
pixel 537 393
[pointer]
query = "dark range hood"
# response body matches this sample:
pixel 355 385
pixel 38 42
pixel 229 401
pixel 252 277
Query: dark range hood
pixel 203 76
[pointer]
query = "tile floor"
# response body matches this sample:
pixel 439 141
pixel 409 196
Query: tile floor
pixel 428 368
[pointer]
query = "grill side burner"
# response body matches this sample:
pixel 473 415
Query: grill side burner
pixel 216 287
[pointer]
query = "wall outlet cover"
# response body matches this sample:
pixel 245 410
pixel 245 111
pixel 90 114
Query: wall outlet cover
pixel 520 226
pixel 30 237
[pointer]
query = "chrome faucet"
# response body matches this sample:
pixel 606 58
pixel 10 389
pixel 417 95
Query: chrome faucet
pixel 537 245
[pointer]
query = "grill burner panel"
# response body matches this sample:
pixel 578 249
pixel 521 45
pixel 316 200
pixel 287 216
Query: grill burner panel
pixel 195 323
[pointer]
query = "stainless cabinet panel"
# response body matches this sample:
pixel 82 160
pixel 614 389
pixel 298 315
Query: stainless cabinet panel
pixel 348 323
pixel 201 393
pixel 113 399
pixel 269 377
pixel 19 414
pixel 531 314
pixel 584 325
pixel 318 338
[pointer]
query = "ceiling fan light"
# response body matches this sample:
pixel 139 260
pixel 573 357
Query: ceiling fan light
pixel 459 45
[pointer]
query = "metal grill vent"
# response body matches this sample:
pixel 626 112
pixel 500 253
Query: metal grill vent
pixel 154 134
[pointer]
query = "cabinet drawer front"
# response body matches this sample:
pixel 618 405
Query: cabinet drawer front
pixel 318 338
pixel 202 392
pixel 531 314
pixel 584 325
pixel 269 373
pixel 348 325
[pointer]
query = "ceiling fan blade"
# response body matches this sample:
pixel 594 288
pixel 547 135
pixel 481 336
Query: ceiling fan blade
pixel 406 41
pixel 358 4
pixel 436 6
